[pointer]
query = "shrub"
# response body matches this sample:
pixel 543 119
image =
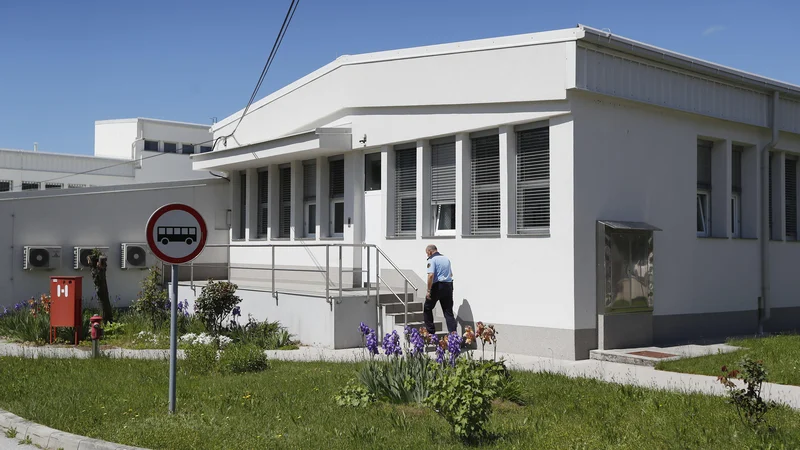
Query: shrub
pixel 748 402
pixel 398 379
pixel 266 335
pixel 355 395
pixel 215 303
pixel 242 358
pixel 463 395
pixel 27 321
pixel 153 298
pixel 201 359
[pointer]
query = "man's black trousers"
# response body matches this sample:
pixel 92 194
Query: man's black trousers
pixel 443 293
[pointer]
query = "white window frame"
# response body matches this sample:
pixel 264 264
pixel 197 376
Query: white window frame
pixel 334 202
pixel 436 213
pixel 704 208
pixel 306 217
pixel 736 214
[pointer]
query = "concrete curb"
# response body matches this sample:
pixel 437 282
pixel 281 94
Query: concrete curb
pixel 50 438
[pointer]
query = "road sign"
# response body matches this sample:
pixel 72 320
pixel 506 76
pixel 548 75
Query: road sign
pixel 176 233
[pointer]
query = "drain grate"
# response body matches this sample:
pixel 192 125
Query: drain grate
pixel 649 354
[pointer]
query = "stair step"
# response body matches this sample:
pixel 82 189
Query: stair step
pixel 413 317
pixel 420 324
pixel 395 308
pixel 391 299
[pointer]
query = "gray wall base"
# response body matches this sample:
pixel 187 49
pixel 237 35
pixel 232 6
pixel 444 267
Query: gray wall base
pixel 616 331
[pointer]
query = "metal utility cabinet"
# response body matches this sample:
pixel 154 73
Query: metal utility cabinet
pixel 625 288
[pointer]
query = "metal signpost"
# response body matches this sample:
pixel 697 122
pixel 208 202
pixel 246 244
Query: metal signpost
pixel 176 234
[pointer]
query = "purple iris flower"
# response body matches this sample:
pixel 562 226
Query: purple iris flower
pixel 372 343
pixel 391 344
pixel 417 343
pixel 454 347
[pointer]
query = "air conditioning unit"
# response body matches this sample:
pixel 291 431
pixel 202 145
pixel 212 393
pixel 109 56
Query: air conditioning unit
pixel 41 257
pixel 80 256
pixel 136 256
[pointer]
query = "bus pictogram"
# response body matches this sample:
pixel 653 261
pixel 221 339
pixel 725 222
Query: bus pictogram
pixel 166 235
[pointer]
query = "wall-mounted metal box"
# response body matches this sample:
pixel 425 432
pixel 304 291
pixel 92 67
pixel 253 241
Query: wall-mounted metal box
pixel 624 267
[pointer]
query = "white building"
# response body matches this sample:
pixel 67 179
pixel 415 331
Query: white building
pixel 508 153
pixel 124 152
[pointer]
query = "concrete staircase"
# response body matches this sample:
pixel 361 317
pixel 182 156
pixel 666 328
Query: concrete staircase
pixel 392 313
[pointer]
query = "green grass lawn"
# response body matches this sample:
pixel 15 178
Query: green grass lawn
pixel 780 354
pixel 291 406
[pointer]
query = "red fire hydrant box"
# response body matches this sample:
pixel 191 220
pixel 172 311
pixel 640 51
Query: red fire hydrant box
pixel 66 295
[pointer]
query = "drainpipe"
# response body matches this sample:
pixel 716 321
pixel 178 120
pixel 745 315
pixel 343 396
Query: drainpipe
pixel 765 232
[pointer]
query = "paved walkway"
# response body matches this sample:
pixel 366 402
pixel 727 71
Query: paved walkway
pixel 613 372
pixel 14 444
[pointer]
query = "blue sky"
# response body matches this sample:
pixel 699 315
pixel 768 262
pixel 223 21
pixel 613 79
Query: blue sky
pixel 65 64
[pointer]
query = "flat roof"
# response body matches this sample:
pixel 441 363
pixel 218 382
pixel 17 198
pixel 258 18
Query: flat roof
pixel 63 155
pixel 146 119
pixel 579 33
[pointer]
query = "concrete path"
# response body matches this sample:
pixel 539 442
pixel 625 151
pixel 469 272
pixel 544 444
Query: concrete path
pixel 13 444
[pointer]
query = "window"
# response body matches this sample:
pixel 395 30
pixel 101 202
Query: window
pixel 263 203
pixel 405 206
pixel 187 149
pixel 372 172
pixel 151 146
pixel 485 177
pixel 791 198
pixel 53 186
pixel 336 194
pixel 205 149
pixel 170 147
pixel 72 186
pixel 533 181
pixel 736 194
pixel 310 198
pixel 5 186
pixel 30 185
pixel 704 187
pixel 242 203
pixel 443 187
pixel 285 213
pixel 769 194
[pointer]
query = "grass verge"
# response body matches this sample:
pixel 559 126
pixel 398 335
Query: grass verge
pixel 291 405
pixel 780 354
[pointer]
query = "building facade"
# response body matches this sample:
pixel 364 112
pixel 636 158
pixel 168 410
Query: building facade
pixel 125 151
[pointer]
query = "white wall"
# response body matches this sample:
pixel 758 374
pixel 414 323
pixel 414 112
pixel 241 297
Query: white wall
pixel 636 162
pixel 94 217
pixel 532 73
pixel 175 132
pixel 113 139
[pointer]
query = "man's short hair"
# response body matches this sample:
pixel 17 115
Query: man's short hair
pixel 431 247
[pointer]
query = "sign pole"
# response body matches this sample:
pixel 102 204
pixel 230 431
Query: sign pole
pixel 173 337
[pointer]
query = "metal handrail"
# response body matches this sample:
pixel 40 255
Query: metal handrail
pixel 326 271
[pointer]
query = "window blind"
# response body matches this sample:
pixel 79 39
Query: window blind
pixel 533 181
pixel 242 203
pixel 791 198
pixel 263 203
pixel 704 164
pixel 285 191
pixel 336 184
pixel 443 173
pixel 405 192
pixel 485 187
pixel 736 169
pixel 310 181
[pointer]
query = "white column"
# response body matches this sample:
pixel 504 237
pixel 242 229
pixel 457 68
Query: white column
pixel 507 176
pixel 354 196
pixel 424 223
pixel 387 179
pixel 463 184
pixel 721 183
pixel 251 207
pixel 323 206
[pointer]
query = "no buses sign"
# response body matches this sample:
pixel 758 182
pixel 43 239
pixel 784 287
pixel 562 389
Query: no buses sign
pixel 176 233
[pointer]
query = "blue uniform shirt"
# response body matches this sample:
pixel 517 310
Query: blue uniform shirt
pixel 439 266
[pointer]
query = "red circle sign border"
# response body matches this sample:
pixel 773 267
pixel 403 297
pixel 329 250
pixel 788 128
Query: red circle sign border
pixel 151 223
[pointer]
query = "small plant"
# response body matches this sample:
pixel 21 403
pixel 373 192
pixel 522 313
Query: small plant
pixel 354 395
pixel 463 395
pixel 215 303
pixel 243 358
pixel 201 359
pixel 153 298
pixel 26 441
pixel 748 402
pixel 11 433
pixel 114 328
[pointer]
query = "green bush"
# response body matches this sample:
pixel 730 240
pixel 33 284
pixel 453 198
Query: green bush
pixel 398 379
pixel 463 395
pixel 153 299
pixel 215 303
pixel 201 359
pixel 749 404
pixel 355 395
pixel 243 358
pixel 266 335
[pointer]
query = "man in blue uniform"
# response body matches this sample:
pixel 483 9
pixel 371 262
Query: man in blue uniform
pixel 440 288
